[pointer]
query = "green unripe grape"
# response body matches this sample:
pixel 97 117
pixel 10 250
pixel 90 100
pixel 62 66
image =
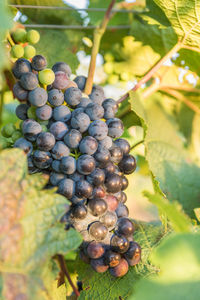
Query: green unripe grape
pixel 108 56
pixel 16 135
pixel 3 143
pixel 41 122
pixel 46 76
pixel 125 76
pixel 31 113
pixel 17 51
pixel 29 51
pixel 113 79
pixel 19 35
pixel 33 36
pixel 44 128
pixel 108 67
pixel 8 130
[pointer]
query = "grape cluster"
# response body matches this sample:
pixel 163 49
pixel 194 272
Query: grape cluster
pixel 24 42
pixel 76 139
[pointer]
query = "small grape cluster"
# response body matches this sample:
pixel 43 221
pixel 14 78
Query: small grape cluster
pixel 24 42
pixel 76 139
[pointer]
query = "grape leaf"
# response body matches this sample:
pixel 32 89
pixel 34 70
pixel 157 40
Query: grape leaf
pixel 178 220
pixel 66 51
pixel 184 17
pixel 30 231
pixel 104 286
pixel 5 24
pixel 49 16
pixel 177 175
pixel 179 260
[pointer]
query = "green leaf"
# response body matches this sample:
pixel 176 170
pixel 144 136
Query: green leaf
pixel 178 177
pixel 104 286
pixel 30 228
pixel 184 17
pixel 178 220
pixel 5 25
pixel 56 46
pixel 49 16
pixel 179 260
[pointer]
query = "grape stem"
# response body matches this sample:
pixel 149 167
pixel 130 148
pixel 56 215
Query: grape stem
pixel 182 98
pixel 10 40
pixel 98 33
pixel 137 144
pixel 149 75
pixel 65 271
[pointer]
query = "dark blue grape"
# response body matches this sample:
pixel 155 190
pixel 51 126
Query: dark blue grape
pixel 97 207
pixel 73 138
pixel 113 183
pixel 128 164
pixel 45 141
pixel 95 250
pixel 31 129
pixel 42 159
pixel 80 81
pixel 29 81
pixel 94 111
pixel 119 243
pixel 106 142
pixel 83 189
pixel 115 127
pixel 55 165
pixel 38 97
pixel 88 145
pixel 72 96
pixel 85 164
pixel 44 112
pixel 98 129
pixel 125 227
pixel 66 187
pixel 76 176
pixel 109 219
pixel 25 145
pixel 97 94
pixel 68 165
pixel 110 106
pixel 21 111
pixel 116 154
pixel 80 122
pixel 60 150
pixel 79 211
pixel 21 67
pixel 98 230
pixel 38 62
pixel 61 113
pixel 61 81
pixel 99 265
pixel 31 167
pixel 63 67
pixel 58 129
pixel 120 270
pixel 122 211
pixel 55 178
pixel 102 156
pixel 123 145
pixel 97 177
pixel 20 93
pixel 77 111
pixel 124 183
pixel 78 200
pixel 55 97
pixel 84 102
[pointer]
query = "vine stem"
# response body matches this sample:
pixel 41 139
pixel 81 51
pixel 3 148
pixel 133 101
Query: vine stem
pixel 98 33
pixel 183 99
pixel 148 76
pixel 137 144
pixel 64 269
